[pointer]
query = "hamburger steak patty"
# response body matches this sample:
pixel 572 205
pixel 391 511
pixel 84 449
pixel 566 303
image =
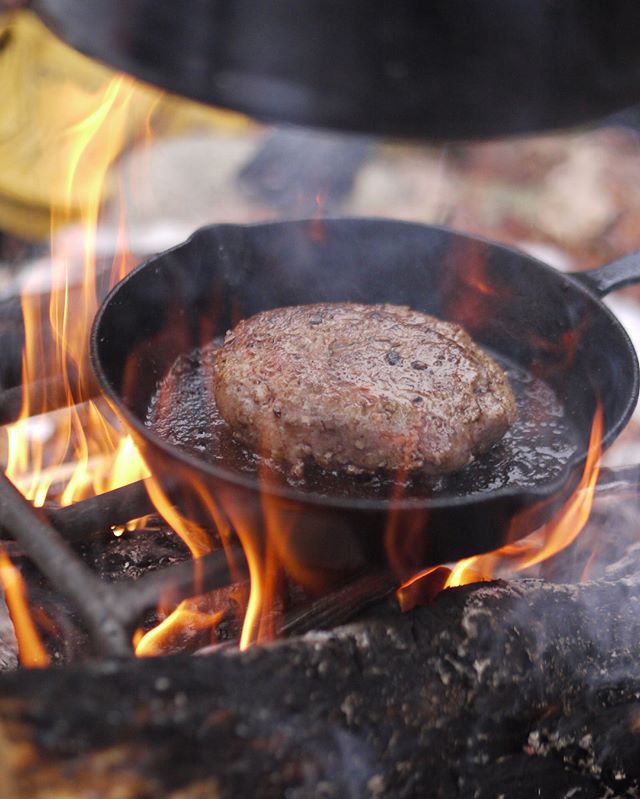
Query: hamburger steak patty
pixel 362 388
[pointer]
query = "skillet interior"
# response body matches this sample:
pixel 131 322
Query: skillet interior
pixel 535 449
pixel 512 304
pixel 518 307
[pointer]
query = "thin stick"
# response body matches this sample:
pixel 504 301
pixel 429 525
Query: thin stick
pixel 96 515
pixel 95 601
pixel 341 605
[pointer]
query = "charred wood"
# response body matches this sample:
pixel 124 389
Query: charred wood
pixel 520 690
pixel 97 515
pixel 339 606
pixel 183 580
pixel 95 602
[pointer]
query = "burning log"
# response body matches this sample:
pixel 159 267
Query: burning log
pixel 520 690
pixel 97 515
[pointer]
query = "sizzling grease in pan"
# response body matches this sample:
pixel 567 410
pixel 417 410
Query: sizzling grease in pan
pixel 533 451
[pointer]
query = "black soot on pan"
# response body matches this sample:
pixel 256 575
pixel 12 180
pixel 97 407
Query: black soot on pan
pixel 534 450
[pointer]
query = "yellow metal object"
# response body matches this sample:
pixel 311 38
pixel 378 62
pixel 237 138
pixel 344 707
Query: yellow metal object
pixel 46 90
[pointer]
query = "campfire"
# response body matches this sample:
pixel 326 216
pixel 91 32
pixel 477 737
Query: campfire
pixel 189 621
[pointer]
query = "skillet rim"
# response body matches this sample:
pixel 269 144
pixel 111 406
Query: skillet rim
pixel 526 495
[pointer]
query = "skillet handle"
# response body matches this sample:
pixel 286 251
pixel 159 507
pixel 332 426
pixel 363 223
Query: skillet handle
pixel 612 276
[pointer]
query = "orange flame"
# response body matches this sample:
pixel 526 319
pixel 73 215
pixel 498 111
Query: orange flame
pixel 193 535
pixel 262 577
pixel 66 445
pixel 169 635
pixel 195 615
pixel 544 543
pixel 30 648
pixel 86 453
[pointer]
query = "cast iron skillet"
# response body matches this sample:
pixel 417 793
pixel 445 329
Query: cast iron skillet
pixel 437 68
pixel 547 322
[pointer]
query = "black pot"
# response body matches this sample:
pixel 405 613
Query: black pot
pixel 437 68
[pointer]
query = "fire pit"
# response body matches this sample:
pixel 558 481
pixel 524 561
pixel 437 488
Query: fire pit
pixel 296 639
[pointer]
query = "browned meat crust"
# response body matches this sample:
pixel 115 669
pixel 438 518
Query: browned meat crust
pixel 362 388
